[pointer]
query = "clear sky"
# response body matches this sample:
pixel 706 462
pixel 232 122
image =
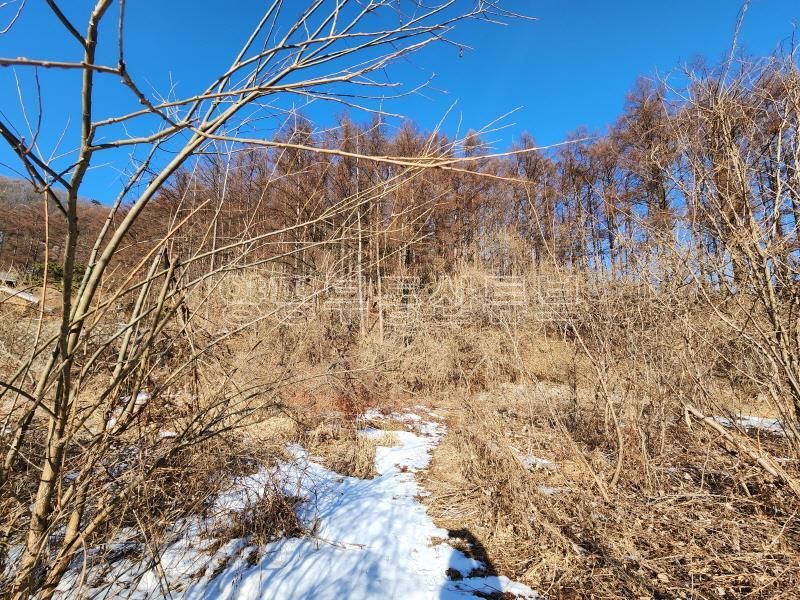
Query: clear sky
pixel 571 67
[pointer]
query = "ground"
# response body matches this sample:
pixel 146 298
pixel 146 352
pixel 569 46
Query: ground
pixel 365 538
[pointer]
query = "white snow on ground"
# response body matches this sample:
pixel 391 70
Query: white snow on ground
pixel 748 422
pixel 763 423
pixel 27 296
pixel 534 462
pixel 369 539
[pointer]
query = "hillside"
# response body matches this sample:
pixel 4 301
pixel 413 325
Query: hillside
pixel 22 231
pixel 331 344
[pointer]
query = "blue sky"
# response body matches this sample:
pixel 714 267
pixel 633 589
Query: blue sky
pixel 571 67
pixel 576 63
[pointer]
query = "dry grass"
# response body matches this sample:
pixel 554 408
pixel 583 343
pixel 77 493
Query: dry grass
pixel 525 471
pixel 184 488
pixel 697 522
pixel 343 449
pixel 270 517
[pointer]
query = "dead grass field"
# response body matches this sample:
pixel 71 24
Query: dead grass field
pixel 572 468
pixel 694 521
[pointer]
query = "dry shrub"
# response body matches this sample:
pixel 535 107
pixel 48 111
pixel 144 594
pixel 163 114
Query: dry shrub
pixel 353 456
pixel 18 492
pixel 274 433
pixel 187 486
pixel 438 357
pixel 271 516
pixel 338 444
pixel 345 370
pixel 197 475
pixel 695 521
pixel 18 325
pixel 684 518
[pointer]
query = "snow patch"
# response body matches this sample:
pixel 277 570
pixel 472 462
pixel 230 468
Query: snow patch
pixel 368 539
pixel 763 423
pixel 775 426
pixel 27 296
pixel 534 462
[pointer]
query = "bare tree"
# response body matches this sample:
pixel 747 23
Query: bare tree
pixel 326 50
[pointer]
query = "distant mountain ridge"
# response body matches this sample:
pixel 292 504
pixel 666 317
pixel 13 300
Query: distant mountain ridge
pixel 20 191
pixel 22 225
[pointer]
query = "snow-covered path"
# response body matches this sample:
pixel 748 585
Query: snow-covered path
pixel 370 539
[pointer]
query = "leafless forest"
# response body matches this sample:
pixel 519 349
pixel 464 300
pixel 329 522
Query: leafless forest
pixel 609 328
